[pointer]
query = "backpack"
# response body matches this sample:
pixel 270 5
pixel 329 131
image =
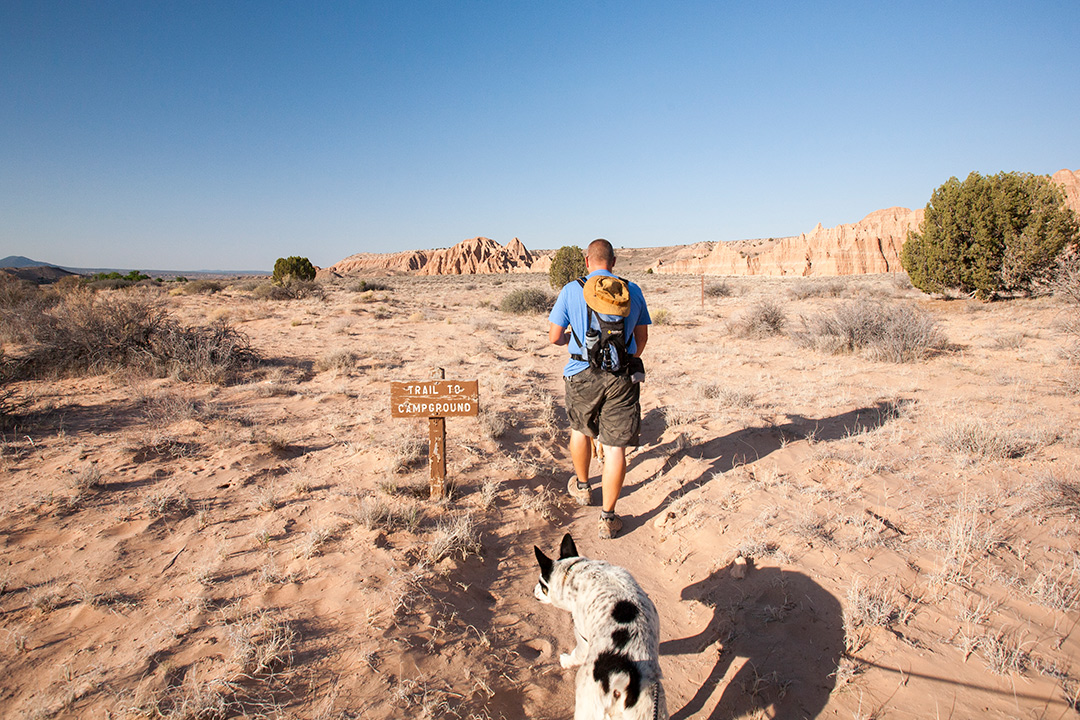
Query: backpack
pixel 605 342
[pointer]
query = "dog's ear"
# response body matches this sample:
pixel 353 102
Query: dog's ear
pixel 546 563
pixel 568 548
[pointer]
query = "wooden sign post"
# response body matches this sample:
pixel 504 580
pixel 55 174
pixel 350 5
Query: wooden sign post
pixel 435 399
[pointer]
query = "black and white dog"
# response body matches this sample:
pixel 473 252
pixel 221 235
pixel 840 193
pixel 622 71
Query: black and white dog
pixel 618 629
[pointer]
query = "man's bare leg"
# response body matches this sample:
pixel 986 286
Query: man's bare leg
pixel 614 474
pixel 581 454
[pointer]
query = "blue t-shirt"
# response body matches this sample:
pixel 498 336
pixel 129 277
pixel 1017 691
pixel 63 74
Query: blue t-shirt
pixel 571 311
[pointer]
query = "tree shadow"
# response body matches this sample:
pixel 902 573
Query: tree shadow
pixel 788 630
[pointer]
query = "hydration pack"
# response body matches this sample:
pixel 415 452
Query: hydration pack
pixel 605 342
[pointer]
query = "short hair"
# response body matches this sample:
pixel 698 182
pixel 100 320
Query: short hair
pixel 600 251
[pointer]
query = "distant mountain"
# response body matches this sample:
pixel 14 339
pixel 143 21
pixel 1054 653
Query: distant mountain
pixel 18 261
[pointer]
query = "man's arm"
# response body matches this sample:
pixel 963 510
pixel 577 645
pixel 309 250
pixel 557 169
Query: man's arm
pixel 641 337
pixel 558 335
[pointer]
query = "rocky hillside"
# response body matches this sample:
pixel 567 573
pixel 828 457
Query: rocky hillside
pixel 477 256
pixel 871 245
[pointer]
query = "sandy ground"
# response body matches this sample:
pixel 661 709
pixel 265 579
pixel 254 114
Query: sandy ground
pixel 267 548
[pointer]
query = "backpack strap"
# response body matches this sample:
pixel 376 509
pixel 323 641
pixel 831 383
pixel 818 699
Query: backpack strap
pixel 580 281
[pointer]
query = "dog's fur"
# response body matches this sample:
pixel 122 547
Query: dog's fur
pixel 618 631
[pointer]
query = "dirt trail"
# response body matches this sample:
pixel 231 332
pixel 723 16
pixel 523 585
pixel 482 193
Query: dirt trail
pixel 266 549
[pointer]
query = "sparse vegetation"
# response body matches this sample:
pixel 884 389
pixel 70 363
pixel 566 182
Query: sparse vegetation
pixel 341 360
pixel 269 549
pixel 764 318
pixel 891 332
pixel 94 332
pixel 527 301
pixel 197 287
pixel 457 537
pixel 719 289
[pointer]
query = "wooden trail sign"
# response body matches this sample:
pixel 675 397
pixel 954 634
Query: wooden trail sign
pixel 435 399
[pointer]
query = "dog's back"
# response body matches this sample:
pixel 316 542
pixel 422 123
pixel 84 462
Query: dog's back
pixel 618 633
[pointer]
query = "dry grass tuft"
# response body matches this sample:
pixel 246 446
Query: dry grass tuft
pixel 405 453
pixel 458 536
pixel 543 501
pixel 1003 653
pixel 985 439
pixel 340 360
pixel 166 502
pixel 372 513
pixel 260 643
pixel 1054 495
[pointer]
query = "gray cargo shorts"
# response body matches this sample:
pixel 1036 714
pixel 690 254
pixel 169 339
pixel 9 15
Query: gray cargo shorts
pixel 604 406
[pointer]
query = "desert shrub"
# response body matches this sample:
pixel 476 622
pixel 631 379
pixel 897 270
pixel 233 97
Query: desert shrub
pixel 91 332
pixel 270 291
pixel 197 287
pixel 21 303
pixel 341 360
pixel 988 235
pixel 893 332
pixel 8 403
pixel 803 289
pixel 370 285
pixel 14 291
pixel 764 318
pixel 660 316
pixel 132 277
pixel 212 353
pixel 1065 279
pixel 298 268
pixel 718 289
pixel 527 301
pixel 568 264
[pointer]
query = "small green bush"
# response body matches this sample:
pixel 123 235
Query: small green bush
pixel 132 277
pixel 527 301
pixel 568 264
pixel 370 285
pixel 299 268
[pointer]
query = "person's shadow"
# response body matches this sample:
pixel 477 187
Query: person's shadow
pixel 785 629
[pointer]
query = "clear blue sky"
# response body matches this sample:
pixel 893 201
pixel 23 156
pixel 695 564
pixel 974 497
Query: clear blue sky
pixel 221 135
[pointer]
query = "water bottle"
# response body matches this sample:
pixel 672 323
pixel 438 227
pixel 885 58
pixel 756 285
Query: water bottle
pixel 592 339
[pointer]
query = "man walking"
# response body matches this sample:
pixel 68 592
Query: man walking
pixel 602 396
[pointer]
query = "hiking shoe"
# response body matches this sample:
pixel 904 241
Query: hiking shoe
pixel 577 492
pixel 609 527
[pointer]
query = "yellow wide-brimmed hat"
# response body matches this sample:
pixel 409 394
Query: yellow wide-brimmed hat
pixel 608 295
